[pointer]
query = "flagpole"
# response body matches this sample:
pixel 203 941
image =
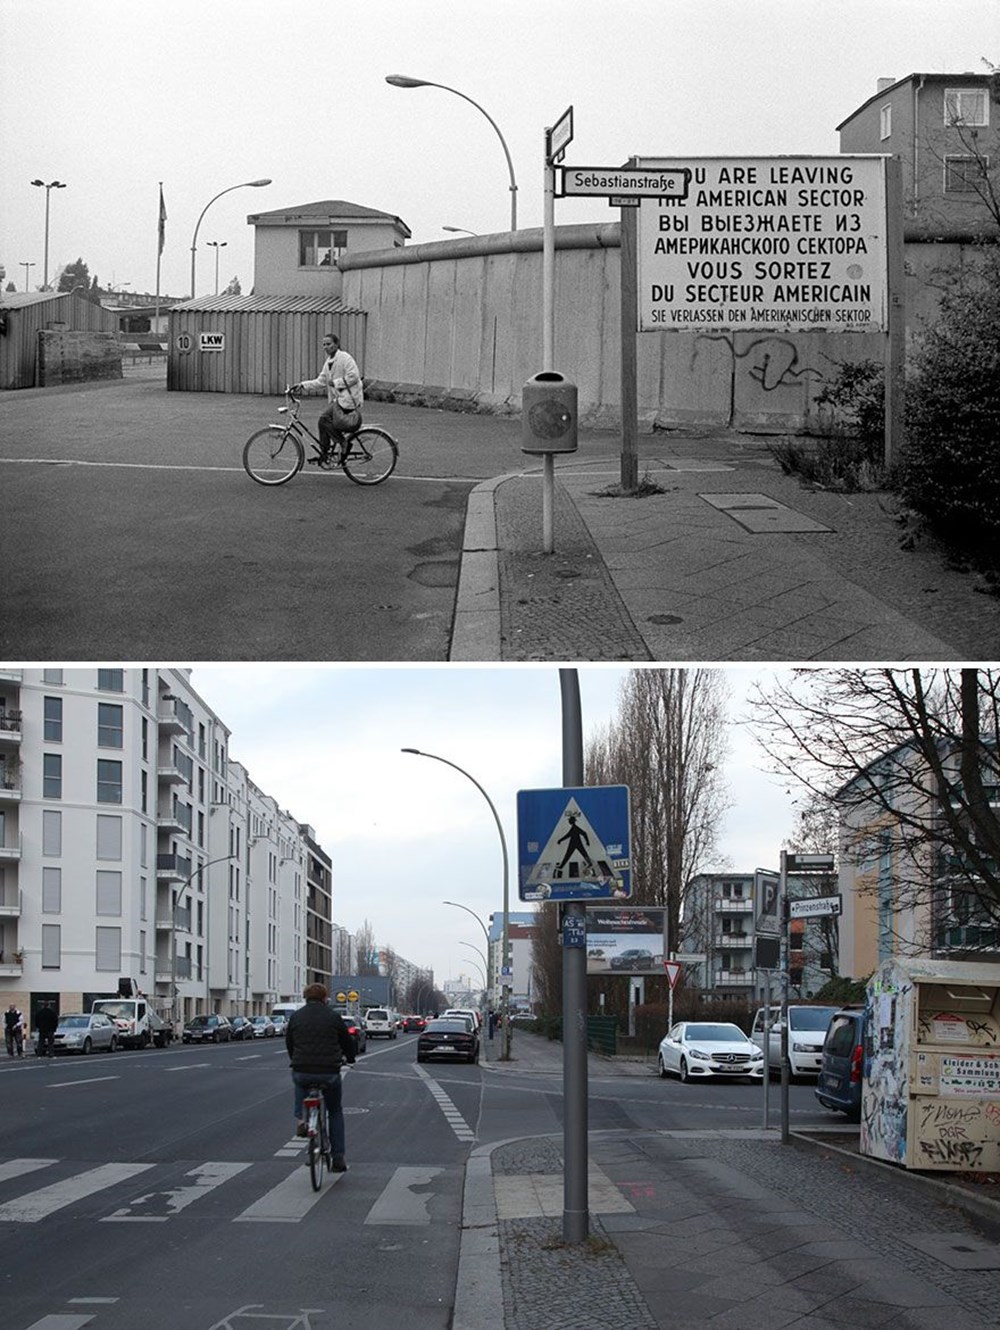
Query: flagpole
pixel 159 255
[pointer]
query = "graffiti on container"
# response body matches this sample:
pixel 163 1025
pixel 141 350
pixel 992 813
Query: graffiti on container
pixel 949 1117
pixel 957 1153
pixel 776 364
pixel 883 1121
pixel 983 1032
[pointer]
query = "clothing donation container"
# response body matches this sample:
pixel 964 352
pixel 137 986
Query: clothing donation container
pixel 931 1096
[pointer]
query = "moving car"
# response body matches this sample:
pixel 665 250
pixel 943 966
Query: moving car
pixel 700 1049
pixel 474 1012
pixel 841 1071
pixel 448 1037
pixel 414 1023
pixel 263 1027
pixel 807 1027
pixel 85 1032
pixel 207 1029
pixel 380 1021
pixel 357 1031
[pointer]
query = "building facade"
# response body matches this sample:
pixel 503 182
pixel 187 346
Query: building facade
pixel 296 249
pixel 130 846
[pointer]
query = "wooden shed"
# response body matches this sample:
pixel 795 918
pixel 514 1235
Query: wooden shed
pixel 23 315
pixel 256 344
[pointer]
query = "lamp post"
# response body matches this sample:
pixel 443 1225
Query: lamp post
pixel 173 921
pixel 53 184
pixel 505 1054
pixel 403 81
pixel 246 184
pixel 217 245
pixel 26 266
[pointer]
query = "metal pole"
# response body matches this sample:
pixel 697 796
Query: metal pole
pixel 45 270
pixel 575 1200
pixel 783 923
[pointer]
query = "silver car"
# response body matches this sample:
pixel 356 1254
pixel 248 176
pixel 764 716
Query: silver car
pixel 82 1032
pixel 696 1049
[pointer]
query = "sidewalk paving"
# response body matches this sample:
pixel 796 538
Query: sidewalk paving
pixel 692 1229
pixel 732 561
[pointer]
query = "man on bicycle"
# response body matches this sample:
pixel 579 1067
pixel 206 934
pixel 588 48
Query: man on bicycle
pixel 341 380
pixel 318 1044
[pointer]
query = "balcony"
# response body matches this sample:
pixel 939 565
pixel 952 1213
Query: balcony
pixel 11 854
pixel 173 717
pixel 732 979
pixel 10 727
pixel 10 783
pixel 180 919
pixel 11 676
pixel 172 868
pixel 728 905
pixel 170 824
pixel 170 775
pixel 737 941
pixel 968 937
pixel 11 968
pixel 10 905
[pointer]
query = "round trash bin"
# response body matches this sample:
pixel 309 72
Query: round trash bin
pixel 548 414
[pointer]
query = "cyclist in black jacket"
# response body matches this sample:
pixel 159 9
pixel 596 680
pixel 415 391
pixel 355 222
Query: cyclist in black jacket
pixel 319 1043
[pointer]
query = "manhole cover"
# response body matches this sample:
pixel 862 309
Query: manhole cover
pixel 665 618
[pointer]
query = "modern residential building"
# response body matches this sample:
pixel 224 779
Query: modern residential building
pixel 130 847
pixel 520 932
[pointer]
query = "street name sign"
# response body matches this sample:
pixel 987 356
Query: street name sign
pixel 813 907
pixel 661 182
pixel 574 844
pixel 558 137
pixel 809 863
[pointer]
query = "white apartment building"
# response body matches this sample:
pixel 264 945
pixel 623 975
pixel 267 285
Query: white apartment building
pixel 130 847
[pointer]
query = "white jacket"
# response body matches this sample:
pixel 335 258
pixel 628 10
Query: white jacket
pixel 339 372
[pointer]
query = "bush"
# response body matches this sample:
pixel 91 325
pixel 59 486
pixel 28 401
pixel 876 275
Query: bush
pixel 950 469
pixel 852 457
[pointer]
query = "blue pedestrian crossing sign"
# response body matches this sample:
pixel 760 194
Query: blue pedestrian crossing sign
pixel 574 844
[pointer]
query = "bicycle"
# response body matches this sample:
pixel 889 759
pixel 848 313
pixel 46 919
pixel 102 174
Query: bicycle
pixel 273 455
pixel 319 1149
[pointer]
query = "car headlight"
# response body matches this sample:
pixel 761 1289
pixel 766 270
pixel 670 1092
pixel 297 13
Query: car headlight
pixel 804 1048
pixel 756 1056
pixel 71 1037
pixel 697 1053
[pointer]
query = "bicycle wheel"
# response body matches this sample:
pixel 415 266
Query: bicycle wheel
pixel 372 457
pixel 272 456
pixel 315 1149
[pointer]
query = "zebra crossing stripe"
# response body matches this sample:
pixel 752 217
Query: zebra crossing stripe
pixel 158 1206
pixel 37 1205
pixel 454 1119
pixel 286 1203
pixel 16 1168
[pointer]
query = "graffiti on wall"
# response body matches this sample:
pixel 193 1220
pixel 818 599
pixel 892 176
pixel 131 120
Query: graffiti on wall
pixel 956 1135
pixel 774 361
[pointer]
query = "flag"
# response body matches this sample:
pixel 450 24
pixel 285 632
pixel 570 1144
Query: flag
pixel 163 221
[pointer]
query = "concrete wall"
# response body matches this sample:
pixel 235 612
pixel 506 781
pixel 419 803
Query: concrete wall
pixel 69 356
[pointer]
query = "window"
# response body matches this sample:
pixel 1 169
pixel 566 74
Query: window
pixel 109 837
pixel 51 946
pixel 51 890
pixel 320 249
pixel 51 776
pixel 109 725
pixel 51 833
pixel 109 893
pixel 111 681
pixel 52 677
pixel 965 106
pixel 885 121
pixel 107 949
pixel 109 782
pixel 53 720
pixel 964 175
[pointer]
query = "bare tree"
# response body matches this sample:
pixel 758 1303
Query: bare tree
pixel 546 961
pixel 367 949
pixel 910 759
pixel 819 938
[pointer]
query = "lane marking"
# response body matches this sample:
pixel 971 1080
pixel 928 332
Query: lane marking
pixel 39 1204
pixel 188 1066
pixel 90 1080
pixel 452 1116
pixel 206 1176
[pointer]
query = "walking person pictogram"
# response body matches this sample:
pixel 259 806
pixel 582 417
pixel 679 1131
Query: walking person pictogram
pixel 578 840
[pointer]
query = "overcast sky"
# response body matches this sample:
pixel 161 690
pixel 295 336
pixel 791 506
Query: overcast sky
pixel 113 96
pixel 406 833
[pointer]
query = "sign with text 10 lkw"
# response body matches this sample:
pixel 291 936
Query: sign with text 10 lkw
pixel 787 244
pixel 574 844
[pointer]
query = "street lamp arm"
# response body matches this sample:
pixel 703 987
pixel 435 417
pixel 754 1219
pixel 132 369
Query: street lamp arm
pixel 459 906
pixel 245 184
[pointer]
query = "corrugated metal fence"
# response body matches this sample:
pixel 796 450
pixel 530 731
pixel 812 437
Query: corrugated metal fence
pixel 25 315
pixel 256 344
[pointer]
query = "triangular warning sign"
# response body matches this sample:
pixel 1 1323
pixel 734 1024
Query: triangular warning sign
pixel 574 853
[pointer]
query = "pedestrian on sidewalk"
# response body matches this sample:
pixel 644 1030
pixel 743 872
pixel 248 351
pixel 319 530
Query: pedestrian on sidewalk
pixel 46 1021
pixel 13 1030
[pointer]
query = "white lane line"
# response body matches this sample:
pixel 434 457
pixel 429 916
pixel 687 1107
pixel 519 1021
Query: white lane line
pixel 38 1204
pixel 288 1202
pixel 452 1116
pixel 16 1168
pixel 188 1066
pixel 89 1080
pixel 171 1202
pixel 399 1204
pixel 61 1321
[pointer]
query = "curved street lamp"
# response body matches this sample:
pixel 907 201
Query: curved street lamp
pixel 246 184
pixel 505 1053
pixel 53 184
pixel 404 81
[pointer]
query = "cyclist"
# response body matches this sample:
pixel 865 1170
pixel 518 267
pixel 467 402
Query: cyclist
pixel 319 1043
pixel 340 378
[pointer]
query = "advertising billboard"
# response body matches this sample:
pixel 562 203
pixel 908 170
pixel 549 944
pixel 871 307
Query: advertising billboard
pixel 625 940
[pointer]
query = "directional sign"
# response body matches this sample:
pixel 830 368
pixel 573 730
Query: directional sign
pixel 815 906
pixel 574 844
pixel 558 137
pixel 809 863
pixel 664 182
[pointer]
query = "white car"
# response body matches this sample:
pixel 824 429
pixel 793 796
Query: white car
pixel 698 1049
pixel 464 1011
pixel 807 1027
pixel 380 1021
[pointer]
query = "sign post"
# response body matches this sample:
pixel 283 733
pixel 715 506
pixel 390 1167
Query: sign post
pixel 556 140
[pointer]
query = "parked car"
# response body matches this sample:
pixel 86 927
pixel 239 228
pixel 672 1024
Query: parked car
pixel 241 1027
pixel 807 1027
pixel 207 1029
pixel 263 1027
pixel 841 1071
pixel 634 958
pixel 85 1032
pixel 279 1020
pixel 379 1021
pixel 696 1049
pixel 448 1038
pixel 414 1023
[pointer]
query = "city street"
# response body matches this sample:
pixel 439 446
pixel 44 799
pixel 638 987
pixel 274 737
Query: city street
pixel 165 1189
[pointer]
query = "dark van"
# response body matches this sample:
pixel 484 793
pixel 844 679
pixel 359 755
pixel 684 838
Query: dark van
pixel 842 1063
